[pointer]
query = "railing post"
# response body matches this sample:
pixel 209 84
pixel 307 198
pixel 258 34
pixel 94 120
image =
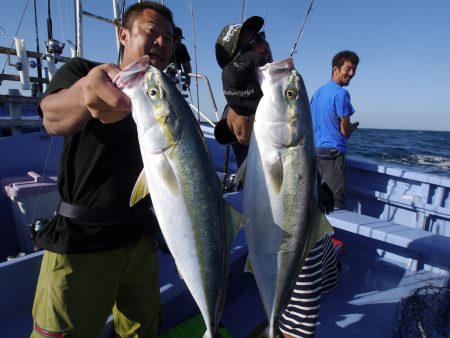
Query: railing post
pixel 15 112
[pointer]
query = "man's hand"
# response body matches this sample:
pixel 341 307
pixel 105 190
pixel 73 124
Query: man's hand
pixel 347 128
pixel 241 126
pixel 101 97
pixel 94 96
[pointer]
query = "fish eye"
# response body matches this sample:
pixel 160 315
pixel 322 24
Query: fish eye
pixel 153 92
pixel 291 93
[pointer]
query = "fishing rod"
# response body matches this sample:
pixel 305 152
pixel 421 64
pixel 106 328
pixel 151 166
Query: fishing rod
pixel 195 56
pixel 118 18
pixel 243 10
pixel 38 59
pixel 301 29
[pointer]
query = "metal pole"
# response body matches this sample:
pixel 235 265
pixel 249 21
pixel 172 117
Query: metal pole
pixel 116 27
pixel 79 28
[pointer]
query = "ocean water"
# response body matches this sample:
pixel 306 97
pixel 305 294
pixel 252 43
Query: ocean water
pixel 412 150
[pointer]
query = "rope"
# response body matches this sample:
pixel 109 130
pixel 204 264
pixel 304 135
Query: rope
pixel 43 177
pixel 61 21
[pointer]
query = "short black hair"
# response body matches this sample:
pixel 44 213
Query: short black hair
pixel 177 33
pixel 345 55
pixel 135 10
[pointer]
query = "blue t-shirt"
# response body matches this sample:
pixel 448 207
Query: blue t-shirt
pixel 328 104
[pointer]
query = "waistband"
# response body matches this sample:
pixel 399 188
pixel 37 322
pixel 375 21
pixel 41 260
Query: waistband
pixel 99 214
pixel 328 153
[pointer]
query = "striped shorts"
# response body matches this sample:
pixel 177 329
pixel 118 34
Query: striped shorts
pixel 318 275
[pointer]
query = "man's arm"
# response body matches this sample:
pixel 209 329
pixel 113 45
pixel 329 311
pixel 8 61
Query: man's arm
pixel 240 126
pixel 93 96
pixel 347 128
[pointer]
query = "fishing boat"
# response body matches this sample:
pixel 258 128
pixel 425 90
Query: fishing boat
pixel 395 256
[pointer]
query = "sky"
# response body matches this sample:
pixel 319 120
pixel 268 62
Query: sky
pixel 402 81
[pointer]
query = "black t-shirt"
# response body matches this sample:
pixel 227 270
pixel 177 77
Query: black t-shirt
pixel 98 169
pixel 240 85
pixel 180 54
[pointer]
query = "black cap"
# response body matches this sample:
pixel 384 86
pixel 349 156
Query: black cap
pixel 177 32
pixel 227 41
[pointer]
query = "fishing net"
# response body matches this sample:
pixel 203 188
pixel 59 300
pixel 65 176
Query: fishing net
pixel 424 313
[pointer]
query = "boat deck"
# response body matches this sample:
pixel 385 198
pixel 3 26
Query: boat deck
pixel 372 281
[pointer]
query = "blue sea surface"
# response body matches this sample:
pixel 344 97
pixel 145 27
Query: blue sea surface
pixel 412 150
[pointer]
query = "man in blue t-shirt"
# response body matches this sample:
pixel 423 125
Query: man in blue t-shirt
pixel 331 110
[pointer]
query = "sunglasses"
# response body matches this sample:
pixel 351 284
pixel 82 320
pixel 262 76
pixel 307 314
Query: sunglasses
pixel 258 38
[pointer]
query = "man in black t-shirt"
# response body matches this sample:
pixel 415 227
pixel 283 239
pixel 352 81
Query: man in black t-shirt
pixel 100 253
pixel 181 56
pixel 240 50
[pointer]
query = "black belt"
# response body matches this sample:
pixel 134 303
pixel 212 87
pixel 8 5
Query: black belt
pixel 99 214
pixel 328 153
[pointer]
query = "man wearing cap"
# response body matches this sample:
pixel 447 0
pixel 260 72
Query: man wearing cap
pixel 240 50
pixel 181 56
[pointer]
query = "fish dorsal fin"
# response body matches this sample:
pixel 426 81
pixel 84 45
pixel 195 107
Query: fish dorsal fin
pixel 274 167
pixel 140 189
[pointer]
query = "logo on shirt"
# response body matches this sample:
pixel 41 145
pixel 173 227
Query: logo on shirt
pixel 247 92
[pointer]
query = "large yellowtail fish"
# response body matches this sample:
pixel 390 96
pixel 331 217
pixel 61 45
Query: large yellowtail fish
pixel 280 188
pixel 197 224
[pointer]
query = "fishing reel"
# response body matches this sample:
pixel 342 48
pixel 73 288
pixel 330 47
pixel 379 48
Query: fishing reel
pixel 54 47
pixel 37 226
pixel 172 72
pixel 231 183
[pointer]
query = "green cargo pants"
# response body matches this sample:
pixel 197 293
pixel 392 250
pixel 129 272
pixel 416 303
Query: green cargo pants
pixel 76 293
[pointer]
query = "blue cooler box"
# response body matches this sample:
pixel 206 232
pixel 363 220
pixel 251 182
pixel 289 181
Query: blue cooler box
pixel 33 197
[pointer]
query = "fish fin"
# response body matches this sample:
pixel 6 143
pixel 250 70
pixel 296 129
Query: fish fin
pixel 140 189
pixel 234 219
pixel 276 173
pixel 234 222
pixel 240 174
pixel 167 174
pixel 321 227
pixel 248 265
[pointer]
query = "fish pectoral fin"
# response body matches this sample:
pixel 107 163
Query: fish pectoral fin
pixel 321 227
pixel 140 189
pixel 167 174
pixel 234 221
pixel 275 170
pixel 248 265
pixel 240 174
